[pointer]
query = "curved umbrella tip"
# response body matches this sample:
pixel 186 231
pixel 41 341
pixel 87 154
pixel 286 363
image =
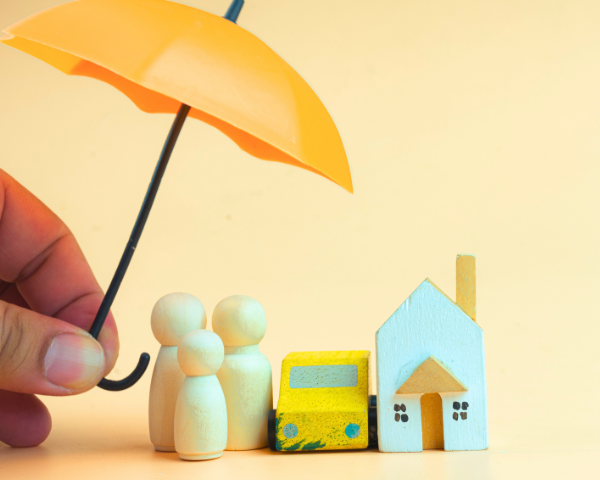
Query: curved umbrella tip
pixel 130 380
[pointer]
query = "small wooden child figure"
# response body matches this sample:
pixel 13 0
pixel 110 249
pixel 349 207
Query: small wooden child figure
pixel 245 376
pixel 173 316
pixel 201 412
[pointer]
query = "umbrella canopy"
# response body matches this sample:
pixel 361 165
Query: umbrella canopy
pixel 170 58
pixel 162 54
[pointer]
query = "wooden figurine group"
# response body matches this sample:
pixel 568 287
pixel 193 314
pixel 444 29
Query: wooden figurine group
pixel 212 391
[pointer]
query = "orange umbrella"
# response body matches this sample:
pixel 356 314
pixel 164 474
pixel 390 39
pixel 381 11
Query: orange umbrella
pixel 171 58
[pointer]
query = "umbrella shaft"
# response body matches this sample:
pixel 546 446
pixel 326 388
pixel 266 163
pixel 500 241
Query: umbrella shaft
pixel 136 233
pixel 233 12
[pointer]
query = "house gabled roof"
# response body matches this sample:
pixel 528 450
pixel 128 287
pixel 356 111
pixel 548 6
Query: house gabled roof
pixel 432 376
pixel 428 288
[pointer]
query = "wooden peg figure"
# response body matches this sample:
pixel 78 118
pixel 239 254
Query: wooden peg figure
pixel 245 376
pixel 173 316
pixel 200 413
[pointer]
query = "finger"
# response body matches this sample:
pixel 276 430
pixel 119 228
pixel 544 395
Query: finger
pixel 40 354
pixel 9 293
pixel 41 256
pixel 24 419
pixel 81 312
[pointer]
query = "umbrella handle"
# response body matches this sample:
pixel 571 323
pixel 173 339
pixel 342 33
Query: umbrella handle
pixel 117 385
pixel 129 380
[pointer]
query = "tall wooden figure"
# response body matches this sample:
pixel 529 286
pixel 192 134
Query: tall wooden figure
pixel 173 316
pixel 245 376
pixel 200 413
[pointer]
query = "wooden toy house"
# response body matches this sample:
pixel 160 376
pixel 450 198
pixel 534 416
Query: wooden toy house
pixel 431 371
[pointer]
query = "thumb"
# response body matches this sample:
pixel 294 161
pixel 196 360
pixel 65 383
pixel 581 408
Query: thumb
pixel 43 355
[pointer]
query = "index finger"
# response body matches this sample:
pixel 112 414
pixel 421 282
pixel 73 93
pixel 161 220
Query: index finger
pixel 39 254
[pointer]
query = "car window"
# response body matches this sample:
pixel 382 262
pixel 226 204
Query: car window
pixel 324 376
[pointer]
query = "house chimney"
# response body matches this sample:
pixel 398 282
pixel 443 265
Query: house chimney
pixel 465 284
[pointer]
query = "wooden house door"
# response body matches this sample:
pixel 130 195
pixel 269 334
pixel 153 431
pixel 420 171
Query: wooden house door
pixel 432 423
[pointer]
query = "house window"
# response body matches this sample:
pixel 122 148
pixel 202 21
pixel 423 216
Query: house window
pixel 398 416
pixel 463 415
pixel 457 406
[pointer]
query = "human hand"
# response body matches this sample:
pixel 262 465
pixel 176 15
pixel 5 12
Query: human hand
pixel 48 299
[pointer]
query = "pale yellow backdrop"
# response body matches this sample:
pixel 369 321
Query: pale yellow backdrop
pixel 470 126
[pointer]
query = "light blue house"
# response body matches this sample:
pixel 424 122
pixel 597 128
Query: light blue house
pixel 431 376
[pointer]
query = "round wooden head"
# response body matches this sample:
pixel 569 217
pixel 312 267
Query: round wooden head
pixel 200 352
pixel 239 320
pixel 176 314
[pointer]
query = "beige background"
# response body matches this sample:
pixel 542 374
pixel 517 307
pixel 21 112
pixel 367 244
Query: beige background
pixel 470 126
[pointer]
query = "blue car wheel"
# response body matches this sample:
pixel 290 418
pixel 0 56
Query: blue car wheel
pixel 352 430
pixel 290 431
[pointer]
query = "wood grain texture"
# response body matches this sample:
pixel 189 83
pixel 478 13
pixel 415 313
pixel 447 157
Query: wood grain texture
pixel 432 421
pixel 173 316
pixel 201 411
pixel 167 380
pixel 246 380
pixel 432 377
pixel 245 375
pixel 201 419
pixel 429 323
pixel 466 285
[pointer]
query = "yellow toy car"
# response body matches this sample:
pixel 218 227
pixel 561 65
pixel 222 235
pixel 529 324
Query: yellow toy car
pixel 324 403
